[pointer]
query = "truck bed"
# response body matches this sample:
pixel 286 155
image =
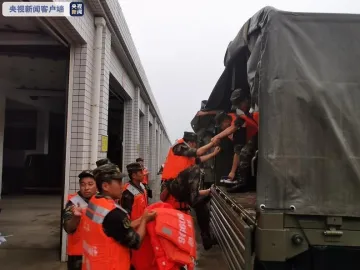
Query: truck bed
pixel 246 200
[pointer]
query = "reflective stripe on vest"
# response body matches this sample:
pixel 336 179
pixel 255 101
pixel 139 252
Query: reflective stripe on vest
pixel 133 190
pixel 100 251
pixel 140 201
pixel 97 213
pixel 172 237
pixel 176 164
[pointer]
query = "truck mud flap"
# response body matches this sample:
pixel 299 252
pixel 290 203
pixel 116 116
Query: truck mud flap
pixel 234 235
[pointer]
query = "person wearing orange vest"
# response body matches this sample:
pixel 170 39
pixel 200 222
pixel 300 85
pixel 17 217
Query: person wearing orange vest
pixel 73 217
pixel 181 179
pixel 108 233
pixel 146 177
pixel 246 127
pixel 134 200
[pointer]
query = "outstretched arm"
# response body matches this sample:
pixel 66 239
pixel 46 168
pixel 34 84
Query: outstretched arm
pixel 202 113
pixel 230 130
pixel 202 150
pixel 211 155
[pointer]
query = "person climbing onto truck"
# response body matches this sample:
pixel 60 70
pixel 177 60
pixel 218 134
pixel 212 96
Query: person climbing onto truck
pixel 244 149
pixel 181 179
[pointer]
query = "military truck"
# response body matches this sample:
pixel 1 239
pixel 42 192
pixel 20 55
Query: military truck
pixel 303 73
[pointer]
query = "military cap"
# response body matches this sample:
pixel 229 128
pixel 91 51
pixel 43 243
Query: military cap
pixel 134 167
pixel 190 136
pixel 86 173
pixel 102 162
pixel 239 95
pixel 107 172
pixel 139 159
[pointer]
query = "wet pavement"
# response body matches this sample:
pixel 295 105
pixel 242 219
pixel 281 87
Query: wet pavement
pixel 34 222
pixel 209 259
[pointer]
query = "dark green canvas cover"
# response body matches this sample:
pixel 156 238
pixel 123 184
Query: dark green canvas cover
pixel 302 70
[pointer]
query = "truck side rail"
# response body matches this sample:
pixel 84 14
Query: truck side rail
pixel 233 227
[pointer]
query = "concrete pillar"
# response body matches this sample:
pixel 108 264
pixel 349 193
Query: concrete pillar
pixel 152 134
pixel 2 130
pixel 131 129
pixel 42 129
pixel 136 123
pixel 96 91
pixel 144 137
pixel 104 93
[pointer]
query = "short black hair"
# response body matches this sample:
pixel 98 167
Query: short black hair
pixel 139 159
pixel 86 174
pixel 221 117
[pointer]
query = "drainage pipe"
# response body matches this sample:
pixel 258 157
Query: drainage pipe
pixel 95 107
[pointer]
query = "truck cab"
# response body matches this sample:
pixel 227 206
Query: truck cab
pixel 301 70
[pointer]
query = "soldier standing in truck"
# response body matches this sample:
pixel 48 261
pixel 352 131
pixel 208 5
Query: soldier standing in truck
pixel 247 122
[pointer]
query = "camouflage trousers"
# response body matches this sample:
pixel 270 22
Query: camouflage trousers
pixel 185 186
pixel 246 153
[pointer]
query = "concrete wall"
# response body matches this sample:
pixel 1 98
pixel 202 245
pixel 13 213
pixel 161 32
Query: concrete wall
pixel 151 144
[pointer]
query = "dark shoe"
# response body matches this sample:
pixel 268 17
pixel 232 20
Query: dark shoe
pixel 207 241
pixel 239 188
pixel 214 240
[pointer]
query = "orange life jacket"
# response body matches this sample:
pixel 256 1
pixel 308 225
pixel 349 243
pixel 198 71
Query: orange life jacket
pixel 100 251
pixel 256 117
pixel 233 118
pixel 251 126
pixel 181 206
pixel 172 238
pixel 74 244
pixel 137 210
pixel 140 200
pixel 146 177
pixel 175 164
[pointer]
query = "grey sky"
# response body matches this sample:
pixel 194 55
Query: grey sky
pixel 182 44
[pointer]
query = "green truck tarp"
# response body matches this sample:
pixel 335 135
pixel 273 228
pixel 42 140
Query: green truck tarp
pixel 303 71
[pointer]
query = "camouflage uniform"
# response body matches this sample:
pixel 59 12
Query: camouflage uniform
pixel 185 188
pixel 116 224
pixel 74 262
pixel 246 153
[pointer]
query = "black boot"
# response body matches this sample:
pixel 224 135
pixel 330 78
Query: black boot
pixel 207 240
pixel 239 188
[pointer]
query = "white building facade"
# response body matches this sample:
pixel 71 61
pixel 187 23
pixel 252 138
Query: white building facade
pixel 101 48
